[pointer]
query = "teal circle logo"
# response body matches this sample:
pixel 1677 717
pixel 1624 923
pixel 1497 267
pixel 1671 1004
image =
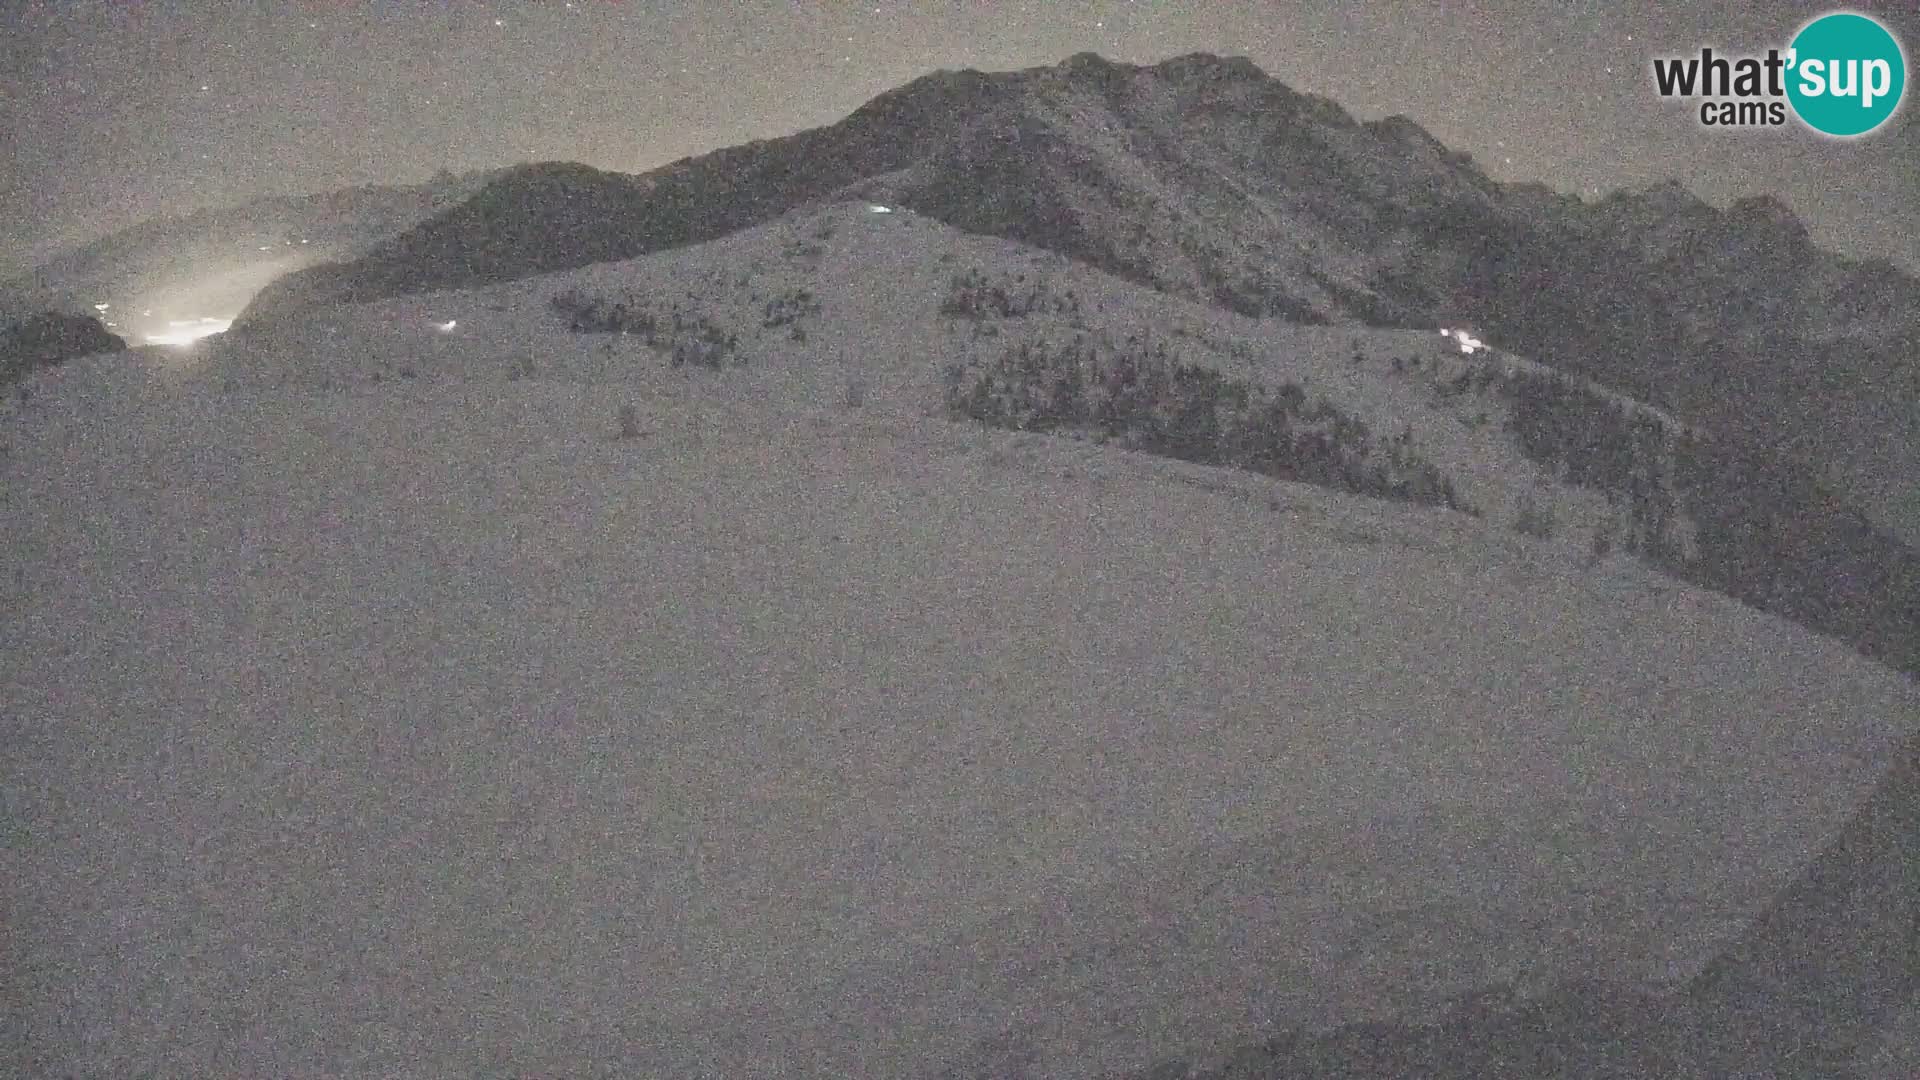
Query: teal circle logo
pixel 1845 74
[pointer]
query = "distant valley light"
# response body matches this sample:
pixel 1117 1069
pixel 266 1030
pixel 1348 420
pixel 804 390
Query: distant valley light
pixel 446 327
pixel 188 331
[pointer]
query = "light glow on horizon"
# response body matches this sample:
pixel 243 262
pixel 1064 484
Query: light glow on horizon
pixel 188 331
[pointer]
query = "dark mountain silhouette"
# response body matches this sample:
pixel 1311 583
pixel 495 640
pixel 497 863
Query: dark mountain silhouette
pixel 1733 319
pixel 1204 177
pixel 538 218
pixel 49 338
pixel 1194 175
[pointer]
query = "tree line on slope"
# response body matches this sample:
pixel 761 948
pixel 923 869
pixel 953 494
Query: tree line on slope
pixel 1147 399
pixel 1765 529
pixel 1716 511
pixel 686 339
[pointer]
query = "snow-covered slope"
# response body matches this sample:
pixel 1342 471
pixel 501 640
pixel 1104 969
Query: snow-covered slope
pixel 1206 178
pixel 373 706
pixel 823 297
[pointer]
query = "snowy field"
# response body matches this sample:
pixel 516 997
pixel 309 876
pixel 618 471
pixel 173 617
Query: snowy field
pixel 426 728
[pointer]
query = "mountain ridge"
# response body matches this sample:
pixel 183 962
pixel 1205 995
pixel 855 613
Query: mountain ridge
pixel 1400 230
pixel 1207 178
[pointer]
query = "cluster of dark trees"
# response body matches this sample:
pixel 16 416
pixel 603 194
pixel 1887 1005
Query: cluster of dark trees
pixel 1147 399
pixel 976 296
pixel 686 339
pixel 1767 529
pixel 790 307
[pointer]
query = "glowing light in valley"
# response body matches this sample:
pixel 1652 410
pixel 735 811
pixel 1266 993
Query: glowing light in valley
pixel 188 331
pixel 100 307
pixel 446 327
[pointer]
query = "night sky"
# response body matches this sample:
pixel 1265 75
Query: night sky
pixel 119 110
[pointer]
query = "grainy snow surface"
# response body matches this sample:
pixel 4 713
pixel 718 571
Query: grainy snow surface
pixel 423 727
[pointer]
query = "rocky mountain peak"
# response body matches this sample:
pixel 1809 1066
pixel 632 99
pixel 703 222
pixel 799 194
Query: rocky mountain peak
pixel 1201 66
pixel 1670 196
pixel 1767 213
pixel 1401 129
pixel 1090 63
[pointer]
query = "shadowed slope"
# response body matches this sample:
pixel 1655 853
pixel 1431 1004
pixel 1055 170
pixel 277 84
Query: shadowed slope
pixel 1836 956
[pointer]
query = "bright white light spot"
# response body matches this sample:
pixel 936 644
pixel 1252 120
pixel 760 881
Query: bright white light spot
pixel 876 208
pixel 1468 343
pixel 499 22
pixel 100 307
pixel 266 247
pixel 188 331
pixel 446 327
